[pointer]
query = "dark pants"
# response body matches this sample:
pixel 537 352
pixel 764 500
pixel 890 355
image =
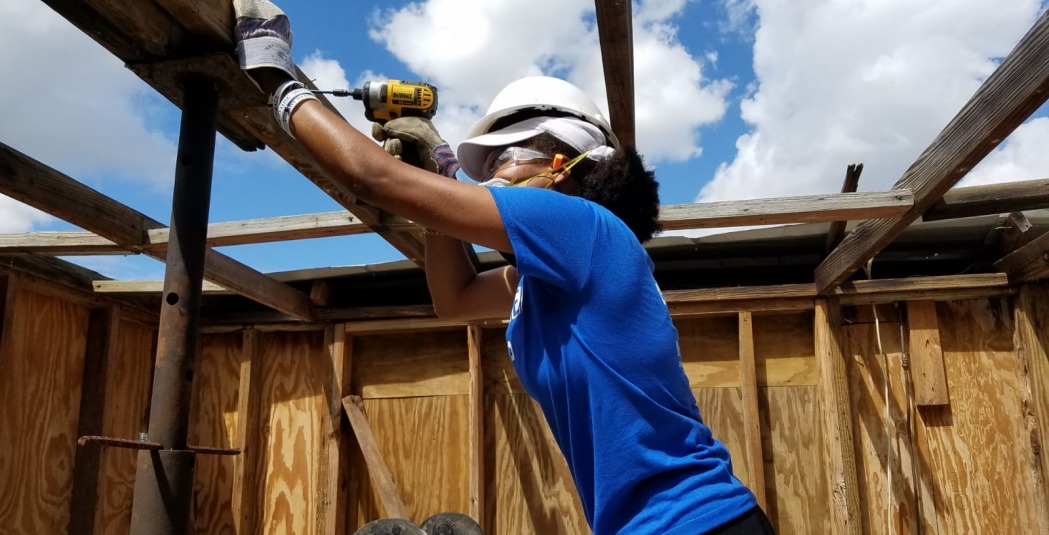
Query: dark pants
pixel 753 522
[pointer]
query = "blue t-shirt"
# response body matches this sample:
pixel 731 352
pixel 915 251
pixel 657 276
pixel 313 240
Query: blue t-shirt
pixel 592 341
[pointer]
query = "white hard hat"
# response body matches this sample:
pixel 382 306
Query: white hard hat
pixel 540 93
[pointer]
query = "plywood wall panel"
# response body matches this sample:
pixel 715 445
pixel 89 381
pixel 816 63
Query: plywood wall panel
pixel 296 427
pixel 42 359
pixel 424 442
pixel 722 411
pixel 881 447
pixel 785 350
pixel 213 422
pixel 529 487
pixel 411 364
pixel 795 478
pixel 126 414
pixel 982 482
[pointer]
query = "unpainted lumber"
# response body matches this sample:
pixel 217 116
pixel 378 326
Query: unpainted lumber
pixel 926 354
pixel 1018 87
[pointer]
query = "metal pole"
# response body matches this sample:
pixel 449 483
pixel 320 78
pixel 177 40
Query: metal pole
pixel 164 478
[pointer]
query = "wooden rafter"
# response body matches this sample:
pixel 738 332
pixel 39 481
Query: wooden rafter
pixel 802 209
pixel 46 189
pixel 149 35
pixel 615 30
pixel 1028 263
pixel 991 199
pixel 1009 96
pixel 837 228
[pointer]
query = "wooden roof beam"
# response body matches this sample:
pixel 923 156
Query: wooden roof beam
pixel 615 31
pixel 990 199
pixel 148 35
pixel 1028 263
pixel 1018 87
pixel 44 188
pixel 802 209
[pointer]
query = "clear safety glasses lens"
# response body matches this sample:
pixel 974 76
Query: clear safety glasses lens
pixel 518 155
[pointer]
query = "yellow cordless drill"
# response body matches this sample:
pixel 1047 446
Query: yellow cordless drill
pixel 385 100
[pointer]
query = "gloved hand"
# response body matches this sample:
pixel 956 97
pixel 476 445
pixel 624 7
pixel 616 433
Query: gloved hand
pixel 263 37
pixel 418 134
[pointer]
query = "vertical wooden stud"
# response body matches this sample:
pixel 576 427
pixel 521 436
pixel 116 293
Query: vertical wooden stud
pixel 8 290
pixel 332 503
pixel 246 465
pixel 475 344
pixel 748 375
pixel 839 449
pixel 927 369
pixel 102 332
pixel 1032 351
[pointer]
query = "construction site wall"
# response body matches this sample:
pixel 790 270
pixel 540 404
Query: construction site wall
pixel 972 465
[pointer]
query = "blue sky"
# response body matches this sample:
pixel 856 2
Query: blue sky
pixel 736 98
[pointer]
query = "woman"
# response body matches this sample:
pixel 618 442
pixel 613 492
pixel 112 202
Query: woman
pixel 589 335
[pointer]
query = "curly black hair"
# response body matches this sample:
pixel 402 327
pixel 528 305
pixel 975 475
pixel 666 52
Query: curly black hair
pixel 621 183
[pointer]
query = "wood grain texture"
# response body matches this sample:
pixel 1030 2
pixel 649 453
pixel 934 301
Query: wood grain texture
pixel 980 471
pixel 213 422
pixel 128 383
pixel 615 32
pixel 247 467
pixel 721 409
pixel 530 487
pixel 416 364
pixel 42 356
pixel 751 419
pixel 425 445
pixel 837 228
pixel 51 191
pixel 378 470
pixel 837 422
pixel 1028 263
pixel 881 446
pixel 823 208
pixel 475 348
pixel 923 329
pixel 1018 87
pixel 1032 340
pixel 796 478
pixel 102 333
pixel 295 429
pixel 332 502
pixel 990 199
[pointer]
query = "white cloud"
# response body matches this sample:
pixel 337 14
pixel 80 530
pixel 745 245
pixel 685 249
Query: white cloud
pixel 17 217
pixel 869 81
pixel 71 104
pixel 470 49
pixel 1023 156
pixel 328 74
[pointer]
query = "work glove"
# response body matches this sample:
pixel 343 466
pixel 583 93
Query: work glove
pixel 263 36
pixel 419 136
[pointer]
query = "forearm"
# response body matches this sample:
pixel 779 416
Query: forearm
pixel 448 272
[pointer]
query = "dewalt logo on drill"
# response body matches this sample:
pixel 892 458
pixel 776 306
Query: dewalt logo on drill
pixel 404 97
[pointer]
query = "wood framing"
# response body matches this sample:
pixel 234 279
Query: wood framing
pixel 990 199
pixel 475 346
pixel 615 31
pixel 748 375
pixel 927 369
pixel 837 228
pixel 1018 87
pixel 153 30
pixel 1028 263
pixel 334 505
pixel 46 189
pixel 377 468
pixel 1032 309
pixel 247 465
pixel 783 210
pixel 835 402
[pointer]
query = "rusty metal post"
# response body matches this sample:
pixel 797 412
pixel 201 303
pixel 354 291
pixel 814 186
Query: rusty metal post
pixel 164 478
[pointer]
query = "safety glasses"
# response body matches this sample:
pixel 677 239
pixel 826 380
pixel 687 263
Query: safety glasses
pixel 557 167
pixel 518 155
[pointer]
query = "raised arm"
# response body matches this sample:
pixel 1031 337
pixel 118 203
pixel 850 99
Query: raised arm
pixel 454 210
